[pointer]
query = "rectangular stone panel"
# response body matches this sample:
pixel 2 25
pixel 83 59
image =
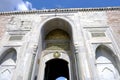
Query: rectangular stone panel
pixel 15 37
pixel 98 34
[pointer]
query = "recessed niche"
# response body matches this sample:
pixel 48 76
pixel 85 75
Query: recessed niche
pixel 15 37
pixel 98 34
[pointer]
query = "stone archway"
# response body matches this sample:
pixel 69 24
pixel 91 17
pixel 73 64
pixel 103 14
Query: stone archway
pixel 57 37
pixel 54 56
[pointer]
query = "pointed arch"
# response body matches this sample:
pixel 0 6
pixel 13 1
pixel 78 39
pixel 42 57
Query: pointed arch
pixel 106 64
pixel 7 64
pixel 57 35
pixel 56 23
pixel 65 30
pixel 49 19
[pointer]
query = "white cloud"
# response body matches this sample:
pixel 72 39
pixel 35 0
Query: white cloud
pixel 24 6
pixel 10 5
pixel 29 5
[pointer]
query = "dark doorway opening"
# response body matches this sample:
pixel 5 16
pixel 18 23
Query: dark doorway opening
pixel 56 68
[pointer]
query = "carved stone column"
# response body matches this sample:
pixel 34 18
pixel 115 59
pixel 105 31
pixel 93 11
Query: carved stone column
pixel 76 47
pixel 32 68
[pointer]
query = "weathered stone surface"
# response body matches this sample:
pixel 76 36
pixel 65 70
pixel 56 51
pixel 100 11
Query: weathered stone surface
pixel 93 19
pixel 3 23
pixel 113 20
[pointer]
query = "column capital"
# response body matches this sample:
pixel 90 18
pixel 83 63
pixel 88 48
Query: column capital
pixel 76 48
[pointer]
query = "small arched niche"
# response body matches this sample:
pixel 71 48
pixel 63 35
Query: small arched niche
pixel 8 64
pixel 106 64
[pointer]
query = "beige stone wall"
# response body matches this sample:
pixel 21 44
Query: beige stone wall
pixel 93 19
pixel 114 23
pixel 3 22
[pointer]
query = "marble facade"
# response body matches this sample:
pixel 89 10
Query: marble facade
pixel 86 41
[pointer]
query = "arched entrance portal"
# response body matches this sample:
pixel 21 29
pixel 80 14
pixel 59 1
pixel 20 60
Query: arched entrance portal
pixel 57 52
pixel 56 68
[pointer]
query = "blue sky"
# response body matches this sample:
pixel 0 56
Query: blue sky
pixel 11 5
pixel 61 78
pixel 73 3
